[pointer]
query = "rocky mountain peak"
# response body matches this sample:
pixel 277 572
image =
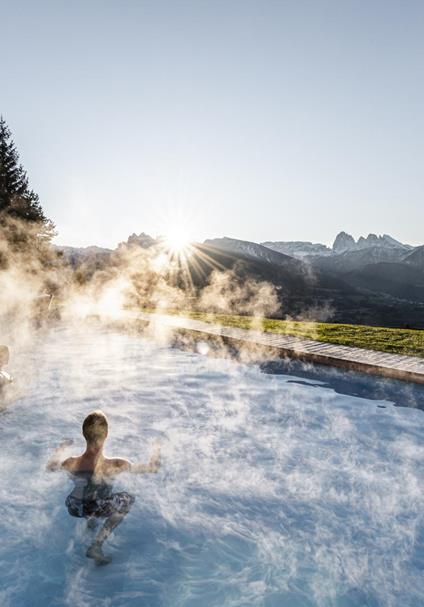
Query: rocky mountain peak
pixel 343 242
pixel 139 240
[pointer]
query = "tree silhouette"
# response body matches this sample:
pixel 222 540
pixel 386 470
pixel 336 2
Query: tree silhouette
pixel 17 201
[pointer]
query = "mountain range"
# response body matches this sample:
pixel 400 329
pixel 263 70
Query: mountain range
pixel 376 280
pixel 343 242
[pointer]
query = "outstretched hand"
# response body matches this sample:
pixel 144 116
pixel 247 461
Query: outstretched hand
pixel 54 462
pixel 154 462
pixel 152 466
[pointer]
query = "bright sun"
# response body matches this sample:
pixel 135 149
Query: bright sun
pixel 177 240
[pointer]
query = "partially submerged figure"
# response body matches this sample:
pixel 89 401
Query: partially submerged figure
pixel 92 497
pixel 5 377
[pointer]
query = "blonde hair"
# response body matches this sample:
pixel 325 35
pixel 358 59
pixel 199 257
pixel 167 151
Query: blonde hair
pixel 95 427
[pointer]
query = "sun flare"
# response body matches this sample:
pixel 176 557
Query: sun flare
pixel 177 241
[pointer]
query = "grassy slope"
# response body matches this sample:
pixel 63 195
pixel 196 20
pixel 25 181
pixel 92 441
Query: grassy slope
pixel 396 341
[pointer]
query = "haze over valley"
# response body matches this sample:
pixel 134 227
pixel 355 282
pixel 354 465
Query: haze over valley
pixel 374 280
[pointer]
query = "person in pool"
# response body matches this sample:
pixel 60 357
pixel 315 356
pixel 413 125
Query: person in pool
pixel 92 497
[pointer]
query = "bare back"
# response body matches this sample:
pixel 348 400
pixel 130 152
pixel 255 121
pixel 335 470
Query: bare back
pixel 99 466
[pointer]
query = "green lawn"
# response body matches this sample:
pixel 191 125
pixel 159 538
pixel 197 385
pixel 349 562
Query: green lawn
pixel 397 341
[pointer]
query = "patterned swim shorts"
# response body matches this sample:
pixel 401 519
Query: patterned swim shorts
pixel 101 507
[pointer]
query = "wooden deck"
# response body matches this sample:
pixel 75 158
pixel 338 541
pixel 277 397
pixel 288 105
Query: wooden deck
pixel 395 366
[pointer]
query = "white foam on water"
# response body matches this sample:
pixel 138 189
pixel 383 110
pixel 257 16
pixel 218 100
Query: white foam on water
pixel 271 493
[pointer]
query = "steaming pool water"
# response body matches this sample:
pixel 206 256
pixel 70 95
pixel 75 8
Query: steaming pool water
pixel 273 492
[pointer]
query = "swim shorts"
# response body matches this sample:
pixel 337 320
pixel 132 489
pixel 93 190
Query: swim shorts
pixel 100 507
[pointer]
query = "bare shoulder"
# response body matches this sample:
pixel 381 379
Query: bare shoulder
pixel 70 464
pixel 115 465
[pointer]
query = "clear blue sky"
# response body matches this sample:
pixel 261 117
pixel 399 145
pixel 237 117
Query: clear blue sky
pixel 284 120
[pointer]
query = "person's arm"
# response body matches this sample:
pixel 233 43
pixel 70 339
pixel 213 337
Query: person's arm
pixel 55 462
pixel 152 466
pixel 118 465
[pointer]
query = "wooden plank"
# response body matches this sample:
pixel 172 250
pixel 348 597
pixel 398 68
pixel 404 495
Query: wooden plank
pixel 369 361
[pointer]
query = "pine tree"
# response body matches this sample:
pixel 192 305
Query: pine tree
pixel 17 201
